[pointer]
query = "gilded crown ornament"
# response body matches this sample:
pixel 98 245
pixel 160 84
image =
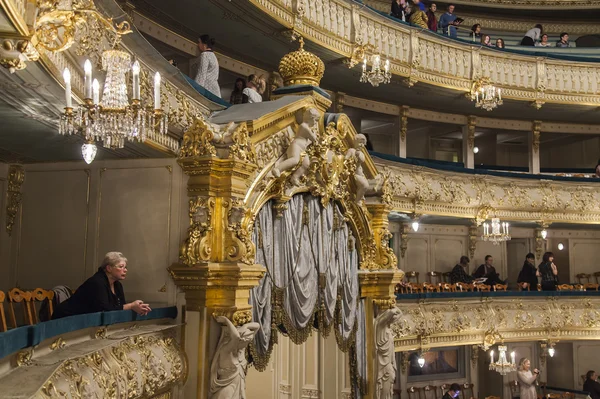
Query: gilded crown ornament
pixel 301 67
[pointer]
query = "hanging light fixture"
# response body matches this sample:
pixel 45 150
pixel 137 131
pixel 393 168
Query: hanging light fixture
pixel 551 351
pixel 415 226
pixel 486 95
pixel 502 366
pixel 544 234
pixel 496 231
pixel 376 75
pixel 112 119
pixel 421 360
pixel 561 246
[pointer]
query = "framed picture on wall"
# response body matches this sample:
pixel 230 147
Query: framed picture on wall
pixel 440 364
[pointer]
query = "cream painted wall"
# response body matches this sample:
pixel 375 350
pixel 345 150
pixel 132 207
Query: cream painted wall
pixel 73 213
pixel 585 357
pixel 315 369
pixel 5 242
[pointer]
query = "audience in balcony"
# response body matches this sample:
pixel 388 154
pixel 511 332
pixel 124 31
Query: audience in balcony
pixel 102 292
pixel 207 74
pixel 591 385
pixel 254 89
pixel 548 272
pixel 237 95
pixel 486 40
pixel 400 9
pixel 598 169
pixel 499 43
pixel 528 277
pixel 418 4
pixel 459 273
pixel 475 34
pixel 563 41
pixel 488 271
pixel 543 41
pixel 527 379
pixel 432 21
pixel 453 392
pixel 532 36
pixel 448 22
pixel 418 16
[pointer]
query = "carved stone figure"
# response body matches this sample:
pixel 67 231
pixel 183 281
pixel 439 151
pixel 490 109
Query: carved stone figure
pixel 306 134
pixel 386 359
pixel 364 186
pixel 229 366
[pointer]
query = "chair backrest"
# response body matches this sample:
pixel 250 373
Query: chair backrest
pixel 482 287
pixel 591 287
pixel 45 298
pixel 597 277
pixel 514 388
pixel 429 392
pixel 465 287
pixel 565 287
pixel 492 397
pixel 2 315
pixel 442 390
pixel 18 296
pixel 568 395
pixel 446 277
pixel 434 277
pixel 466 390
pixel 500 287
pixel 447 287
pixel 431 287
pixel 554 396
pixel 413 392
pixel 583 278
pixel 412 275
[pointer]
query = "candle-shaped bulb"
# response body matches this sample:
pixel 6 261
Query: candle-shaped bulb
pixel 387 65
pixel 67 78
pixel 492 356
pixel 157 90
pixel 87 66
pixel 87 81
pixel 136 68
pixel 499 94
pixel 512 356
pixel 136 80
pixel 95 92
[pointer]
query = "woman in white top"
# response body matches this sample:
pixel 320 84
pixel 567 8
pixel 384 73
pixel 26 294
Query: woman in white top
pixel 544 41
pixel 532 36
pixel 254 89
pixel 527 379
pixel 208 66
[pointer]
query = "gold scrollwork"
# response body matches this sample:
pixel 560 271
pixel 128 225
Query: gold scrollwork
pixel 197 140
pixel 59 343
pixel 24 357
pixel 16 177
pixel 196 247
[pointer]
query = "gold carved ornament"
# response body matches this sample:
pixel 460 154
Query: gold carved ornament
pixel 301 67
pixel 14 53
pixel 16 177
pixel 196 247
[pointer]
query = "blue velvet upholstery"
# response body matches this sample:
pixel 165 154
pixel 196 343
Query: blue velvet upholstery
pixel 26 336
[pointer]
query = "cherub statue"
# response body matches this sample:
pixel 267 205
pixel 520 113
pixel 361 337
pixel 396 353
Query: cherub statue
pixel 386 359
pixel 306 134
pixel 364 186
pixel 229 366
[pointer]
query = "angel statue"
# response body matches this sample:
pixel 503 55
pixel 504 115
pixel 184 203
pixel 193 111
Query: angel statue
pixel 229 366
pixel 364 186
pixel 386 359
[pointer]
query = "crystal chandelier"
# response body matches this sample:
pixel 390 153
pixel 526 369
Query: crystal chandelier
pixel 496 231
pixel 502 365
pixel 112 120
pixel 486 95
pixel 376 75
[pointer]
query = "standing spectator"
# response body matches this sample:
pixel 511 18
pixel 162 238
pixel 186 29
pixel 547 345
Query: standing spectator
pixel 543 41
pixel 237 96
pixel 418 17
pixel 486 40
pixel 432 21
pixel 475 34
pixel 499 43
pixel 527 379
pixel 549 272
pixel 448 22
pixel 532 36
pixel 528 277
pixel 400 9
pixel 207 75
pixel 591 385
pixel 564 40
pixel 419 5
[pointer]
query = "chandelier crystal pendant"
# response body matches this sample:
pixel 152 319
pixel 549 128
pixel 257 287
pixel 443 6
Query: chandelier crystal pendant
pixel 112 120
pixel 376 75
pixel 496 231
pixel 503 366
pixel 486 95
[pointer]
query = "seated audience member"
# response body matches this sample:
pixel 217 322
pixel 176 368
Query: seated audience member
pixel 499 43
pixel 528 277
pixel 432 21
pixel 237 96
pixel 418 17
pixel 532 36
pixel 453 392
pixel 475 34
pixel 591 385
pixel 400 9
pixel 548 272
pixel 102 292
pixel 459 273
pixel 254 89
pixel 543 41
pixel 448 22
pixel 598 169
pixel 488 271
pixel 486 40
pixel 563 41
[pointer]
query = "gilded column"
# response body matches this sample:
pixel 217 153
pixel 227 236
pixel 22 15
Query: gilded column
pixel 468 135
pixel 403 130
pixel 534 147
pixel 216 267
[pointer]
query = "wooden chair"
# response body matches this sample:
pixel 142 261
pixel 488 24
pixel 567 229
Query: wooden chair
pixel 446 277
pixel 553 396
pixel 466 390
pixel 482 288
pixel 431 287
pixel 413 392
pixel 492 397
pixel 443 389
pixel 564 287
pixel 583 276
pixel 2 315
pixel 18 296
pixel 42 296
pixel 577 287
pixel 416 287
pixel 591 287
pixel 434 277
pixel 412 275
pixel 568 395
pixel 465 287
pixel 515 390
pixel 597 277
pixel 500 287
pixel 429 392
pixel 447 287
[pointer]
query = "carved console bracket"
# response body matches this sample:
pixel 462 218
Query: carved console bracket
pixel 15 52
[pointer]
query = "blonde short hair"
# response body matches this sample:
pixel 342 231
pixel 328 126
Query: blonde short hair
pixel 111 259
pixel 522 362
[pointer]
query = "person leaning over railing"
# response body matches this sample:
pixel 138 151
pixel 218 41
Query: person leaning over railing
pixel 102 292
pixel 532 36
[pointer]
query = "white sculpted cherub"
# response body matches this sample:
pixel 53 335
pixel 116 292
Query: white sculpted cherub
pixel 306 134
pixel 364 186
pixel 386 359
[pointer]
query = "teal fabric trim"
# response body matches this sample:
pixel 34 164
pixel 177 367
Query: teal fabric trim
pixel 16 339
pixel 205 93
pixel 495 294
pixel 294 89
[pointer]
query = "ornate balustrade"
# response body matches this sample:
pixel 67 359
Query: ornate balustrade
pixel 488 318
pixel 345 27
pixel 465 193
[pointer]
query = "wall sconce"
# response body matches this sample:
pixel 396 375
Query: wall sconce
pixel 475 150
pixel 544 234
pixel 561 246
pixel 421 360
